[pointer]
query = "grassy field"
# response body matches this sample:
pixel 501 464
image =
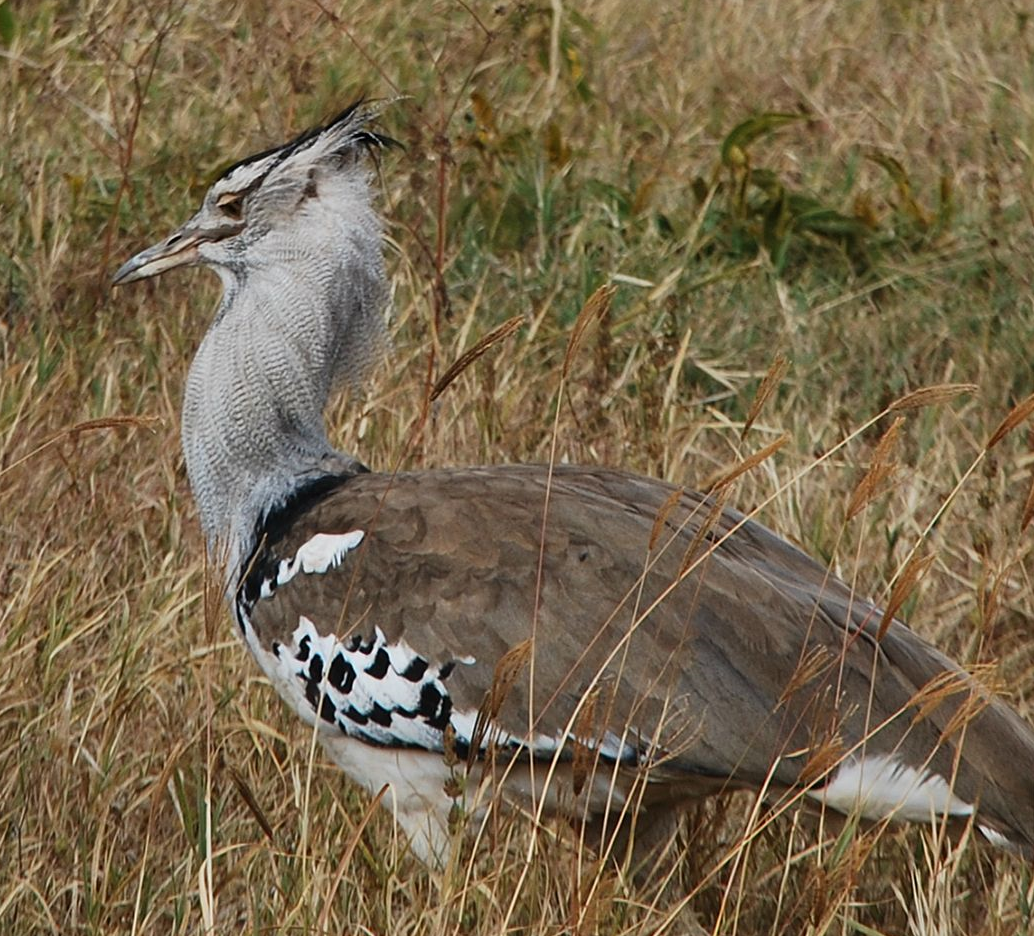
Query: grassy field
pixel 875 240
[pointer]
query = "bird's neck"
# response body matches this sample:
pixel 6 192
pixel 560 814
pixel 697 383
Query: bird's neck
pixel 253 427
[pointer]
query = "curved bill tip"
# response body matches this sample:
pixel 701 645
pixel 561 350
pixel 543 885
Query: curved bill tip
pixel 127 272
pixel 178 250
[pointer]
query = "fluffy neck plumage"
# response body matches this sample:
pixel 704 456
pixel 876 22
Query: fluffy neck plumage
pixel 300 312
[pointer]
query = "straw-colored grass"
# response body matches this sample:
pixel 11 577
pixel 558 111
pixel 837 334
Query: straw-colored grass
pixel 150 781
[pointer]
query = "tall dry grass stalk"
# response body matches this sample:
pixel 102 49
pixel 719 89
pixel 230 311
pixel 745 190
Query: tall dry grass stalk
pixel 875 266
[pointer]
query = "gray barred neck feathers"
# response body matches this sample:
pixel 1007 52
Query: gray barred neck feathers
pixel 302 311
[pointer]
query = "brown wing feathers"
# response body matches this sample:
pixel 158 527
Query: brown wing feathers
pixel 739 664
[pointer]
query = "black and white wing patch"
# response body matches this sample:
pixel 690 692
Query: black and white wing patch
pixel 380 692
pixel 372 689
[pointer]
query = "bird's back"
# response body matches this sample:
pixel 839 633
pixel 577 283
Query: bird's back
pixel 667 636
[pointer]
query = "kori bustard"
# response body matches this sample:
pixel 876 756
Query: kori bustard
pixel 636 648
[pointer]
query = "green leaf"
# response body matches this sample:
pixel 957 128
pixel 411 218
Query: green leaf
pixel 7 27
pixel 893 168
pixel 701 190
pixel 664 225
pixel 779 256
pixel 736 144
pixel 777 231
pixel 896 171
pixel 830 223
pixel 766 180
pixel 776 217
pixel 904 185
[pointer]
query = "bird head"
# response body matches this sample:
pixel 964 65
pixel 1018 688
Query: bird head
pixel 277 190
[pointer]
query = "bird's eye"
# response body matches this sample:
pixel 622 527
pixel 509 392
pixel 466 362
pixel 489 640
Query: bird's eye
pixel 232 205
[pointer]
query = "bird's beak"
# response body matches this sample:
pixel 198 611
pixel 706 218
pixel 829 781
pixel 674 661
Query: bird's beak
pixel 179 249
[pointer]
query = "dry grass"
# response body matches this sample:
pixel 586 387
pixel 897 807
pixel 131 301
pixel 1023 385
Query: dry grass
pixel 549 151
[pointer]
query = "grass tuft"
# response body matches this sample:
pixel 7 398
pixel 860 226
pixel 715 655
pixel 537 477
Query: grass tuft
pixel 812 222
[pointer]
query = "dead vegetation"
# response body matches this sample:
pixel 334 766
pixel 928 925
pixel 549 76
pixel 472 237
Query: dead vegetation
pixel 815 226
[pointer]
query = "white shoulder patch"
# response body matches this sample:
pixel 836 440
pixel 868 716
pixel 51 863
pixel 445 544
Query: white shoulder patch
pixel 880 786
pixel 326 550
pixel 322 552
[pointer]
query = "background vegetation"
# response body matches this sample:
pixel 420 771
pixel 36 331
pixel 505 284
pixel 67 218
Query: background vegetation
pixel 876 238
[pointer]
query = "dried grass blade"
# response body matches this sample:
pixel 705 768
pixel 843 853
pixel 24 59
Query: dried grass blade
pixel 89 425
pixel 880 470
pixel 817 661
pixel 914 570
pixel 595 308
pixel 662 515
pixel 1028 507
pixel 583 755
pixel 969 708
pixel 251 802
pixel 929 697
pixel 931 396
pixel 703 533
pixel 751 461
pixel 1016 415
pixel 346 857
pixel 469 357
pixel 829 753
pixel 768 386
pixel 214 569
pixel 506 672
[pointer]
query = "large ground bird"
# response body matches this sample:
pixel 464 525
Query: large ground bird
pixel 579 640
